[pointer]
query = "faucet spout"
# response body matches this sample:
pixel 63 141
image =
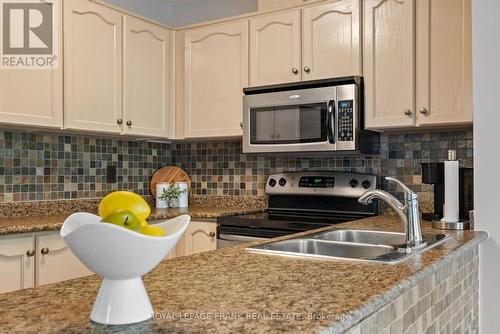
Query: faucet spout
pixel 392 201
pixel 408 213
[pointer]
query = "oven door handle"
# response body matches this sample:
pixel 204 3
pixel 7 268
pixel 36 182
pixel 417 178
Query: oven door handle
pixel 239 238
pixel 331 121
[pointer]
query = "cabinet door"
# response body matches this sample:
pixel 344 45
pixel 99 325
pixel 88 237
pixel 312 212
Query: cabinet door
pixel 17 266
pixel 32 97
pixel 146 78
pixel 55 262
pixel 444 62
pixel 331 40
pixel 275 48
pixel 216 71
pixel 389 63
pixel 200 237
pixel 92 67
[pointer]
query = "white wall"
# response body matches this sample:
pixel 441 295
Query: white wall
pixel 486 59
pixel 177 13
pixel 157 10
pixel 192 11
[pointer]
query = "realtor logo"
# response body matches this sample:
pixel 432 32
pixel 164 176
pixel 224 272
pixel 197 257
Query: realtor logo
pixel 29 34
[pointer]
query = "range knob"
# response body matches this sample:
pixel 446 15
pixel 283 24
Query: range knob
pixel 282 182
pixel 353 183
pixel 272 182
pixel 366 184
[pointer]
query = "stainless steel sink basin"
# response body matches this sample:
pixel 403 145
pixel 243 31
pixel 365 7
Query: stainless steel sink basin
pixel 324 249
pixel 360 245
pixel 362 236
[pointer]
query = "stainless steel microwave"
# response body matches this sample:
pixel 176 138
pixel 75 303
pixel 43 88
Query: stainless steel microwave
pixel 311 116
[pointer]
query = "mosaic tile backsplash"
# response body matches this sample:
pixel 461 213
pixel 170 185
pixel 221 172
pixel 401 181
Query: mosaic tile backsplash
pixel 50 166
pixel 219 168
pixel 47 166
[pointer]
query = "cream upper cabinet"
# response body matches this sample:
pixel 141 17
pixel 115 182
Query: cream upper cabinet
pixel 275 48
pixel 55 262
pixel 92 67
pixel 444 63
pixel 32 97
pixel 215 73
pixel 389 63
pixel 146 78
pixel 200 237
pixel 331 40
pixel 17 263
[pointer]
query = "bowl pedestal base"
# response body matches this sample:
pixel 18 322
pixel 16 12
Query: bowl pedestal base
pixel 121 302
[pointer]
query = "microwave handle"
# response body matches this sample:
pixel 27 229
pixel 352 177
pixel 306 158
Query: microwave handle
pixel 331 121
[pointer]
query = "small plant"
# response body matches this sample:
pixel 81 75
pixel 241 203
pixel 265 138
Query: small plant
pixel 172 192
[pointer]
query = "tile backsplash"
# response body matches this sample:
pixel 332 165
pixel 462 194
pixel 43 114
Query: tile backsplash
pixel 45 166
pixel 219 168
pixel 48 166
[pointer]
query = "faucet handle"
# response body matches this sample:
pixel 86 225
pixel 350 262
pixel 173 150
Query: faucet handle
pixel 409 194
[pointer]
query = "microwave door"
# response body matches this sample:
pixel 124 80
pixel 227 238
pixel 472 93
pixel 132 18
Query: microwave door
pixel 292 121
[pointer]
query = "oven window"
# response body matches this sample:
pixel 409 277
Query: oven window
pixel 304 123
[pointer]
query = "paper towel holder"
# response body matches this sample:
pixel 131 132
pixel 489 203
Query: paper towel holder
pixel 451 225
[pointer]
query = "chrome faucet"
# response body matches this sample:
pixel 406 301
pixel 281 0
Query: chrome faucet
pixel 408 213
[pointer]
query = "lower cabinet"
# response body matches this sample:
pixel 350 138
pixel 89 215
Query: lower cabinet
pixel 17 263
pixel 36 259
pixel 28 260
pixel 200 236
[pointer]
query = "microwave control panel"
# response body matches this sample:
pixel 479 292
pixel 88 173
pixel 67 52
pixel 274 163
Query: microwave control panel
pixel 345 120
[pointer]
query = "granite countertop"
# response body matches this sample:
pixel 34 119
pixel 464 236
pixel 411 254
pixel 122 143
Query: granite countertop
pixel 48 216
pixel 231 290
pixel 50 223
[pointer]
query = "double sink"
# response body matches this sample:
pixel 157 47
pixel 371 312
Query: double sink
pixel 360 245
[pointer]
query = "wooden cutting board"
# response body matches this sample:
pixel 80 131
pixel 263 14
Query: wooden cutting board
pixel 169 174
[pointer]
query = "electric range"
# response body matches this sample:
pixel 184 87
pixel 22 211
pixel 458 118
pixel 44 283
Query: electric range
pixel 298 202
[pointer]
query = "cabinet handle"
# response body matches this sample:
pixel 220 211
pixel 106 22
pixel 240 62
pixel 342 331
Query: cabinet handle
pixel 211 234
pixel 241 125
pixel 307 69
pixel 44 251
pixel 30 253
pixel 295 70
pixel 407 112
pixel 423 111
pixel 129 123
pixel 119 121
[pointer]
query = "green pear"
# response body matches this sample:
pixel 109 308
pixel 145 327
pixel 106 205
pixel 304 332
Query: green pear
pixel 123 218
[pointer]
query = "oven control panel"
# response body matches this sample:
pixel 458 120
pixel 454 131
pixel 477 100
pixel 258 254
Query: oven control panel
pixel 320 184
pixel 345 123
pixel 316 181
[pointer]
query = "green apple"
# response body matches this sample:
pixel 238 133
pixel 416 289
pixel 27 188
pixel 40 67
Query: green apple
pixel 123 218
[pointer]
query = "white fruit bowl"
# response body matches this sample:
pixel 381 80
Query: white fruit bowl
pixel 121 257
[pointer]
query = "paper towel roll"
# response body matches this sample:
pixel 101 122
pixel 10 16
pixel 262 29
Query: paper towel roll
pixel 451 195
